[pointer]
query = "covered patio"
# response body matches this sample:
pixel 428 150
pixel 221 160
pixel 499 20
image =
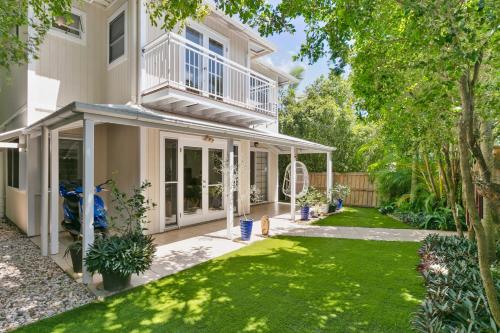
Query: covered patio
pixel 87 116
pixel 183 248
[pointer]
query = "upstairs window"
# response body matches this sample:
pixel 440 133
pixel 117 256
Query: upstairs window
pixel 117 36
pixel 13 167
pixel 71 28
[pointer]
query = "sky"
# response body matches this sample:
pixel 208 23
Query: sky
pixel 288 45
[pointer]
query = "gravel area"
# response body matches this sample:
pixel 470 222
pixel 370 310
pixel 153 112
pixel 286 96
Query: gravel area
pixel 32 287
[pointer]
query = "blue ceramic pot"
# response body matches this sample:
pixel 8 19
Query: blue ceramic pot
pixel 339 203
pixel 246 229
pixel 304 213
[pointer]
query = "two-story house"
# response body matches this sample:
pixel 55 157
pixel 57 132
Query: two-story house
pixel 111 96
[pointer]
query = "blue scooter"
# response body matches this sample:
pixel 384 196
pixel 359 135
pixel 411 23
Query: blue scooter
pixel 72 207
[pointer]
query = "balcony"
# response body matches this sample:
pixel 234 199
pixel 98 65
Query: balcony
pixel 183 77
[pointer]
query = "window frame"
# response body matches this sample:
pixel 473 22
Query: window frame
pixel 83 33
pixel 69 138
pixel 16 171
pixel 123 9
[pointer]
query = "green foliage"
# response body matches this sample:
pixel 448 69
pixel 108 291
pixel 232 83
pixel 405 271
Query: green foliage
pixel 122 254
pixel 340 191
pixel 327 114
pixel 387 209
pixel 127 250
pixel 455 299
pixel 313 197
pixel 392 183
pixel 17 45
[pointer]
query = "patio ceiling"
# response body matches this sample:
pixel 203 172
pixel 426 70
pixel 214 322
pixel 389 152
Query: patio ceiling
pixel 135 115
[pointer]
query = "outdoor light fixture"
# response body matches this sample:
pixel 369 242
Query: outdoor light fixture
pixel 255 144
pixel 208 138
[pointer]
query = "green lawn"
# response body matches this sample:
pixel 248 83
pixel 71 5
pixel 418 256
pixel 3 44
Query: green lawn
pixel 286 284
pixel 362 217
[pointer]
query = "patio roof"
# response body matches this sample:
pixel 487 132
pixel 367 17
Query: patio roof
pixel 137 115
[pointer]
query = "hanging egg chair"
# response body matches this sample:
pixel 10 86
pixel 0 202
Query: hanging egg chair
pixel 301 180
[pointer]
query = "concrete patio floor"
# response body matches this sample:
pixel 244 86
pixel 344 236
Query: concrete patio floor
pixel 183 248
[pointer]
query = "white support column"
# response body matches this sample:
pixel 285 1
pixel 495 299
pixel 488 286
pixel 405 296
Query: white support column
pixel 54 192
pixel 230 187
pixel 293 181
pixel 88 194
pixel 44 189
pixel 329 174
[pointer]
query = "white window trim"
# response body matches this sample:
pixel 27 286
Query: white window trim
pixel 83 37
pixel 123 58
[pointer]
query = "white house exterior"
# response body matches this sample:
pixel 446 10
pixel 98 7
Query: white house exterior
pixel 111 96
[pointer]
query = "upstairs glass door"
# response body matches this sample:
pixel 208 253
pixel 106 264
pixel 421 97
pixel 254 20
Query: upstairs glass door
pixel 194 61
pixel 216 69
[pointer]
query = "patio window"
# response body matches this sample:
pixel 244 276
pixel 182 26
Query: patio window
pixel 70 160
pixel 13 167
pixel 258 176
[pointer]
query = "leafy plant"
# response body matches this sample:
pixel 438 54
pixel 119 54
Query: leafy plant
pixel 77 246
pixel 341 191
pixel 255 194
pixel 387 209
pixel 455 300
pixel 313 197
pixel 128 250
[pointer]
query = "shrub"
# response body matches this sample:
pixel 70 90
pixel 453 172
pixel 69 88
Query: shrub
pixel 127 250
pixel 392 183
pixel 455 300
pixel 440 219
pixel 387 209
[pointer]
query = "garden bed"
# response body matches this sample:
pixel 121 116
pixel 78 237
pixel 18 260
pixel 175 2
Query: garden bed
pixel 455 299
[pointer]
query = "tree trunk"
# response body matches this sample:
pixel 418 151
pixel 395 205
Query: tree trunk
pixel 414 177
pixel 465 130
pixel 431 178
pixel 450 190
pixel 490 216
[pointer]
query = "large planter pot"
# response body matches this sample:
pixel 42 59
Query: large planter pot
pixel 304 213
pixel 76 259
pixel 115 281
pixel 246 229
pixel 339 203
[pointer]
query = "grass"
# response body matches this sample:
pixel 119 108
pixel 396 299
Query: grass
pixel 285 284
pixel 362 217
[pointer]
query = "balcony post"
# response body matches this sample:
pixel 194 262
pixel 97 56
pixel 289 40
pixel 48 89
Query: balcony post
pixel 168 56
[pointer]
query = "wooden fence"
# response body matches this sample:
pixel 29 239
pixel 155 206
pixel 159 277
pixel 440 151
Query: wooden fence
pixel 363 191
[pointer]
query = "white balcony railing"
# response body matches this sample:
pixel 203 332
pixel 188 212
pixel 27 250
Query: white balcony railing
pixel 173 61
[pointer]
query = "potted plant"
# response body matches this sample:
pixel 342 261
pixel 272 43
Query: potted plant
pixel 74 250
pixel 304 206
pixel 340 192
pixel 246 223
pixel 127 250
pixel 318 201
pixel 332 205
pixel 255 196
